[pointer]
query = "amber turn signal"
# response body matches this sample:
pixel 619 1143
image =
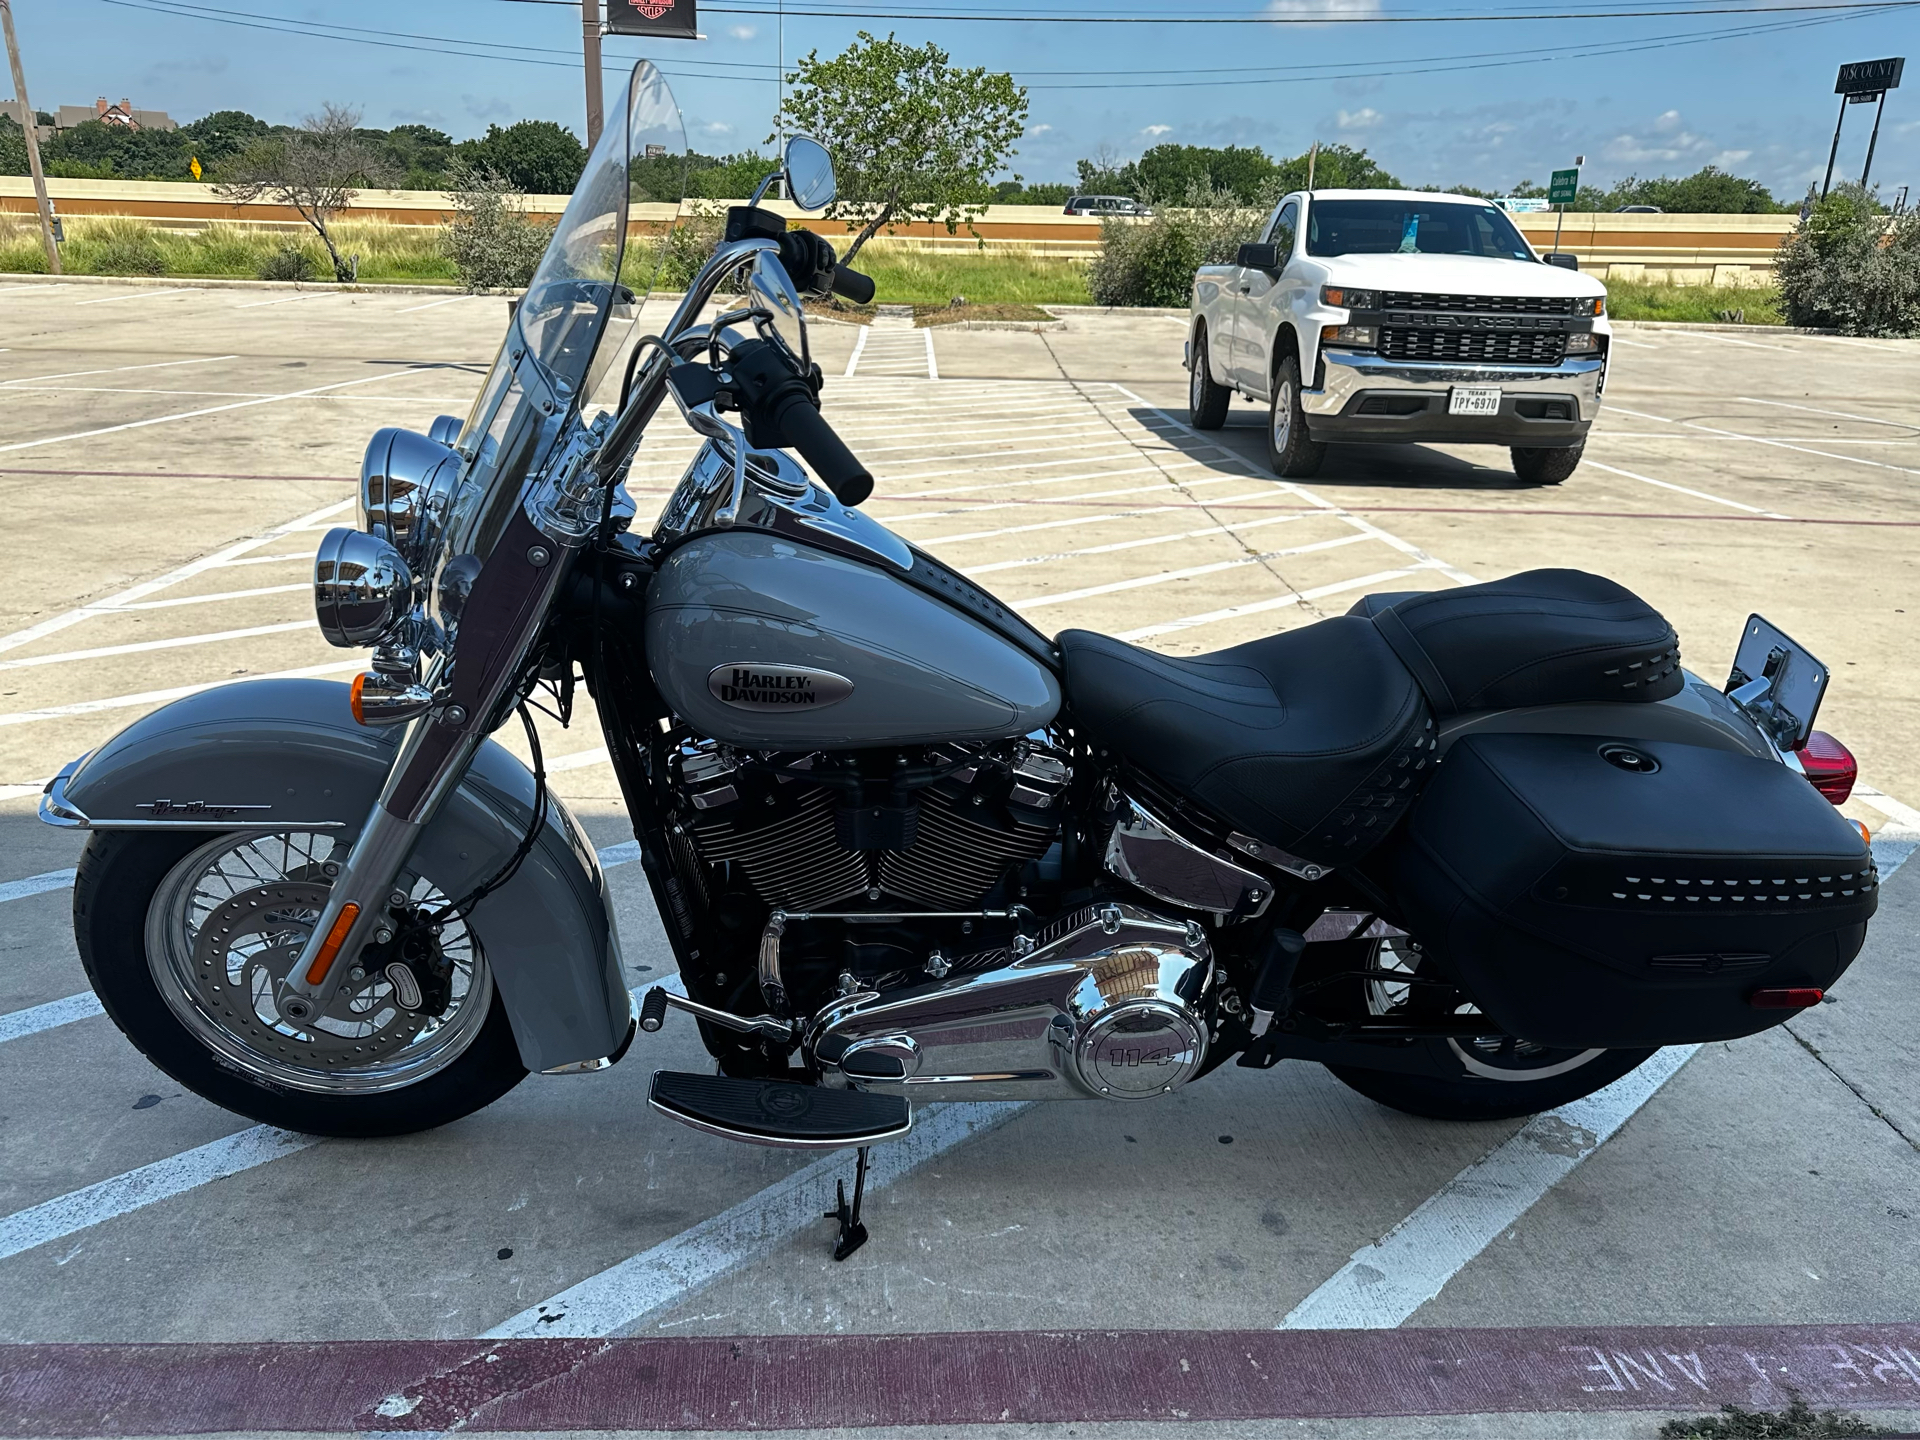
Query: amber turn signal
pixel 336 937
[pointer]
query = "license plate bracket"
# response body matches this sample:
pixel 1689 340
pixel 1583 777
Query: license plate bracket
pixel 1473 400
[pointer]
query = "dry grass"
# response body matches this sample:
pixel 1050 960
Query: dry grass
pixel 120 245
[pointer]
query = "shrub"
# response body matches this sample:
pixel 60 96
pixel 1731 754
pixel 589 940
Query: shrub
pixel 116 247
pixel 1849 267
pixel 289 262
pixel 1152 263
pixel 492 243
pixel 682 252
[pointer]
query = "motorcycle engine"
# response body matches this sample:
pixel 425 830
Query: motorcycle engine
pixel 940 828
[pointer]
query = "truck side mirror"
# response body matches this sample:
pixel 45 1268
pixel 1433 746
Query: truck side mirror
pixel 1258 257
pixel 1563 260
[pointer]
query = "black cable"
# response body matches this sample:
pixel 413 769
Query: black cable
pixel 460 909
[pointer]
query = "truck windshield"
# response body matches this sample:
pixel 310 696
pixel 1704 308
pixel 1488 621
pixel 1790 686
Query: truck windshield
pixel 1411 227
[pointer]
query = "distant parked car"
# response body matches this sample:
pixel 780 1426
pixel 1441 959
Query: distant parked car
pixel 1106 205
pixel 1638 210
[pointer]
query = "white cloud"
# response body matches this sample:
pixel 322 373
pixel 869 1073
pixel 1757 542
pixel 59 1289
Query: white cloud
pixel 742 32
pixel 1364 118
pixel 1038 129
pixel 715 128
pixel 1156 131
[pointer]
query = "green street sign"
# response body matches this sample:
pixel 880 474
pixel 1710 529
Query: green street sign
pixel 1565 184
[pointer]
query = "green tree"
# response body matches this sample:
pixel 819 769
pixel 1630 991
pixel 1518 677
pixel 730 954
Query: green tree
pixel 1708 191
pixel 534 156
pixel 1167 172
pixel 912 137
pixel 1105 173
pixel 1013 192
pixel 728 177
pixel 419 153
pixel 1850 266
pixel 221 135
pixel 13 147
pixel 1335 167
pixel 315 169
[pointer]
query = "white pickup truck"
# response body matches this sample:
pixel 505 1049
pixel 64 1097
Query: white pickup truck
pixel 1400 316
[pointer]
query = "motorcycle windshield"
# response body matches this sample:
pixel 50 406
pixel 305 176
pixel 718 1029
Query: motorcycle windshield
pixel 579 309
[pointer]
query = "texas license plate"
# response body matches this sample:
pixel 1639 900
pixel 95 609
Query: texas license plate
pixel 1474 400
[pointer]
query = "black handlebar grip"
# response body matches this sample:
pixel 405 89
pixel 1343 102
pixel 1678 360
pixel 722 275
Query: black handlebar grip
pixel 807 430
pixel 852 285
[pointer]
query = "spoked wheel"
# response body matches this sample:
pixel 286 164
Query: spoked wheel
pixel 1488 1077
pixel 185 939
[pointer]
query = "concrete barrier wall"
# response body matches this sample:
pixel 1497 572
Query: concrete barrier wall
pixel 1679 249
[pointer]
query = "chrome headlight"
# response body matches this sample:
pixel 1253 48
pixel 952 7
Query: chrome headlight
pixel 445 430
pixel 362 589
pixel 406 485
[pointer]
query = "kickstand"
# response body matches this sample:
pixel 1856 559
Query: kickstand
pixel 852 1233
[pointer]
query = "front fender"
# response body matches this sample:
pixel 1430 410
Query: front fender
pixel 287 754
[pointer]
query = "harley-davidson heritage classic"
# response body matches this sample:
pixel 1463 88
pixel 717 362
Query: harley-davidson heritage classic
pixel 1479 851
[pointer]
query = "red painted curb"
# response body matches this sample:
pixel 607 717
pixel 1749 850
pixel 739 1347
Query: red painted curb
pixel 809 1382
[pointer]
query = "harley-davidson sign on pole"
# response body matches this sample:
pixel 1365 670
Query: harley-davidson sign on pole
pixel 672 19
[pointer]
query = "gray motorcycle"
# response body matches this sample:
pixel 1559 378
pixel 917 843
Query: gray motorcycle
pixel 1479 851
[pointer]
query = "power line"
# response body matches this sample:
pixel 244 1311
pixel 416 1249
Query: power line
pixel 1257 75
pixel 1315 18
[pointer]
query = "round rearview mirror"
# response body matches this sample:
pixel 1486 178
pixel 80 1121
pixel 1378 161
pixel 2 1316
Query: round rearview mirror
pixel 809 173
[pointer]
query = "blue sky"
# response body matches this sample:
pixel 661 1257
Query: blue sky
pixel 1759 104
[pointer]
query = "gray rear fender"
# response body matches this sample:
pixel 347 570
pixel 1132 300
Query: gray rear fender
pixel 1698 715
pixel 290 753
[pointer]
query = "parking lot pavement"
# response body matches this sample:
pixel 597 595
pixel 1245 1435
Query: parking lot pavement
pixel 163 543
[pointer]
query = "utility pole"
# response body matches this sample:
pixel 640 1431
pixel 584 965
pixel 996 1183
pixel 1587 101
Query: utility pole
pixel 590 51
pixel 29 123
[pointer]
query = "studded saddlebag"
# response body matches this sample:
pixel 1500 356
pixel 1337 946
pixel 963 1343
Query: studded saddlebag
pixel 1588 901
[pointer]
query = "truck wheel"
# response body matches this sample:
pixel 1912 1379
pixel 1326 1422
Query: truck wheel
pixel 1546 467
pixel 1289 450
pixel 183 938
pixel 1206 401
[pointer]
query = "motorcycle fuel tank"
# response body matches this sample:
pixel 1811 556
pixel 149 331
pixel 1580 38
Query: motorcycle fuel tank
pixel 762 641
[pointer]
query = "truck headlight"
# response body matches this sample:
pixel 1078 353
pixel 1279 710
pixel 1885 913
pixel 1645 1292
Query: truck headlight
pixel 362 590
pixel 1349 297
pixel 1361 337
pixel 1595 306
pixel 1585 343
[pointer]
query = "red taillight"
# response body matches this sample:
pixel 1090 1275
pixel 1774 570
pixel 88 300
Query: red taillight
pixel 1830 766
pixel 1800 997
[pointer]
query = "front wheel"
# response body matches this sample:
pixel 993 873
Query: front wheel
pixel 1290 451
pixel 185 938
pixel 1498 1079
pixel 1537 466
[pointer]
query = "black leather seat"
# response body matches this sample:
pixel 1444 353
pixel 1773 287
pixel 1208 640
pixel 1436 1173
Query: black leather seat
pixel 1313 739
pixel 1544 637
pixel 1317 739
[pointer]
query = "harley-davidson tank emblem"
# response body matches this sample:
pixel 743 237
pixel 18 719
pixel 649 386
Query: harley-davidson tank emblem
pixel 169 809
pixel 652 9
pixel 776 687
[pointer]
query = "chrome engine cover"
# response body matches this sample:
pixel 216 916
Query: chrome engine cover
pixel 1110 1004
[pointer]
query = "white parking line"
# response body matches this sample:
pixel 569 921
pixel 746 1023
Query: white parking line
pixel 1165 576
pixel 78 1210
pixel 624 1294
pixel 101 652
pixel 436 304
pixel 177 692
pixel 269 559
pixel 1386 1282
pixel 859 349
pixel 1836 414
pixel 1682 489
pixel 1725 434
pixel 33 289
pixel 1118 545
pixel 209 410
pixel 933 370
pixel 1197 503
pixel 146 295
pixel 125 599
pixel 17 1024
pixel 117 370
pixel 1261 607
pixel 35 885
pixel 208 599
pixel 289 300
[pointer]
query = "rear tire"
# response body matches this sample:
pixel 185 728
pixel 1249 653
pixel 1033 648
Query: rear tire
pixel 1546 467
pixel 129 883
pixel 1479 1097
pixel 1290 451
pixel 1206 401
